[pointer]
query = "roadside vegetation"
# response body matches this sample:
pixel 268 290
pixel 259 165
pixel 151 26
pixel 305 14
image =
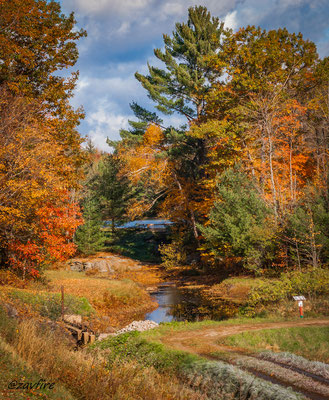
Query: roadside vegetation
pixel 309 342
pixel 210 378
pixel 85 375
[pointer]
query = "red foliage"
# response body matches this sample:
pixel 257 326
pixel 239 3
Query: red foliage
pixel 52 238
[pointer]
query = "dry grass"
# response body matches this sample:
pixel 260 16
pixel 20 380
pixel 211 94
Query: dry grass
pixel 145 276
pixel 86 375
pixel 120 300
pixel 116 302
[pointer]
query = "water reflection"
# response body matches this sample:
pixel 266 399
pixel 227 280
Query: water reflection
pixel 174 305
pixel 182 305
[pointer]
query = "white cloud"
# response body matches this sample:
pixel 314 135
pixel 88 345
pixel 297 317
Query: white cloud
pixel 105 124
pixel 230 20
pixel 104 7
pixel 123 34
pixel 124 28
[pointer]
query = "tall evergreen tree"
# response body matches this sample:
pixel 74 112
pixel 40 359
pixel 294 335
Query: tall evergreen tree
pixel 239 228
pixel 183 85
pixel 111 190
pixel 89 238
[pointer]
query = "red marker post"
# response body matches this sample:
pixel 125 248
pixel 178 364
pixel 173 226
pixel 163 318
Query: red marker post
pixel 301 312
pixel 300 300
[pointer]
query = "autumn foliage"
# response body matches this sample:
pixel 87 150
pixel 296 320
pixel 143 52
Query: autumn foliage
pixel 262 119
pixel 40 155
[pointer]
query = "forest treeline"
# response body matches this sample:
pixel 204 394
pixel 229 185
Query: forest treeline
pixel 244 178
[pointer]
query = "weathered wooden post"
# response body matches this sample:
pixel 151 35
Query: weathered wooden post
pixel 62 291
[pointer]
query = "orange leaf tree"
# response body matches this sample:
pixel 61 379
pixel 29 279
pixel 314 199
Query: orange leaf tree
pixel 40 154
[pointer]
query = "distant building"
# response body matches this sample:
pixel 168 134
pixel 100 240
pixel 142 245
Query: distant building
pixel 154 225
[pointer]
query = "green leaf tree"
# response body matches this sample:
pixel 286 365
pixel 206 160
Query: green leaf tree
pixel 307 232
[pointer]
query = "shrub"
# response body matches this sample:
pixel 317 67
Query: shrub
pixel 9 278
pixel 172 255
pixel 310 283
pixel 49 304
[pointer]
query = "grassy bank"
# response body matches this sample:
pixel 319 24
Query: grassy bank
pixel 100 300
pixel 84 374
pixel 309 342
pixel 14 369
pixel 213 379
pixel 265 296
pixel 121 300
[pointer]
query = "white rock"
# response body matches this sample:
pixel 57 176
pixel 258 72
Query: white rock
pixel 138 326
pixel 73 319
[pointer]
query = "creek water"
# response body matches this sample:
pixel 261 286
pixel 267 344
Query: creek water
pixel 174 304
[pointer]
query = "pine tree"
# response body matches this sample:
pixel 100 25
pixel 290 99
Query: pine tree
pixel 89 237
pixel 182 87
pixel 112 191
pixel 239 225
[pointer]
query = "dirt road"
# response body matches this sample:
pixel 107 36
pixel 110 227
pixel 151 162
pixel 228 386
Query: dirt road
pixel 204 342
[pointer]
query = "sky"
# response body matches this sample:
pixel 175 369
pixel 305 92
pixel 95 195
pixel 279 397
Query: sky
pixel 122 35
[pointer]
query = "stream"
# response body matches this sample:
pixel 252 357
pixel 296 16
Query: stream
pixel 174 304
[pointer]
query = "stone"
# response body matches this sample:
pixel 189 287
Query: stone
pixel 102 265
pixel 73 319
pixel 138 326
pixel 76 265
pixel 103 336
pixel 110 329
pixel 11 310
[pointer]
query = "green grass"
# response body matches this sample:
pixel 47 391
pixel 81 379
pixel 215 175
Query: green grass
pixel 168 328
pixel 309 342
pixel 132 345
pixel 49 304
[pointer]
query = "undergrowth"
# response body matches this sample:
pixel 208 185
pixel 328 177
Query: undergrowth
pixel 49 304
pixel 86 374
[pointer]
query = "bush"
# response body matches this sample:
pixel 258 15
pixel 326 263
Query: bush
pixel 172 255
pixel 310 283
pixel 9 278
pixel 49 304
